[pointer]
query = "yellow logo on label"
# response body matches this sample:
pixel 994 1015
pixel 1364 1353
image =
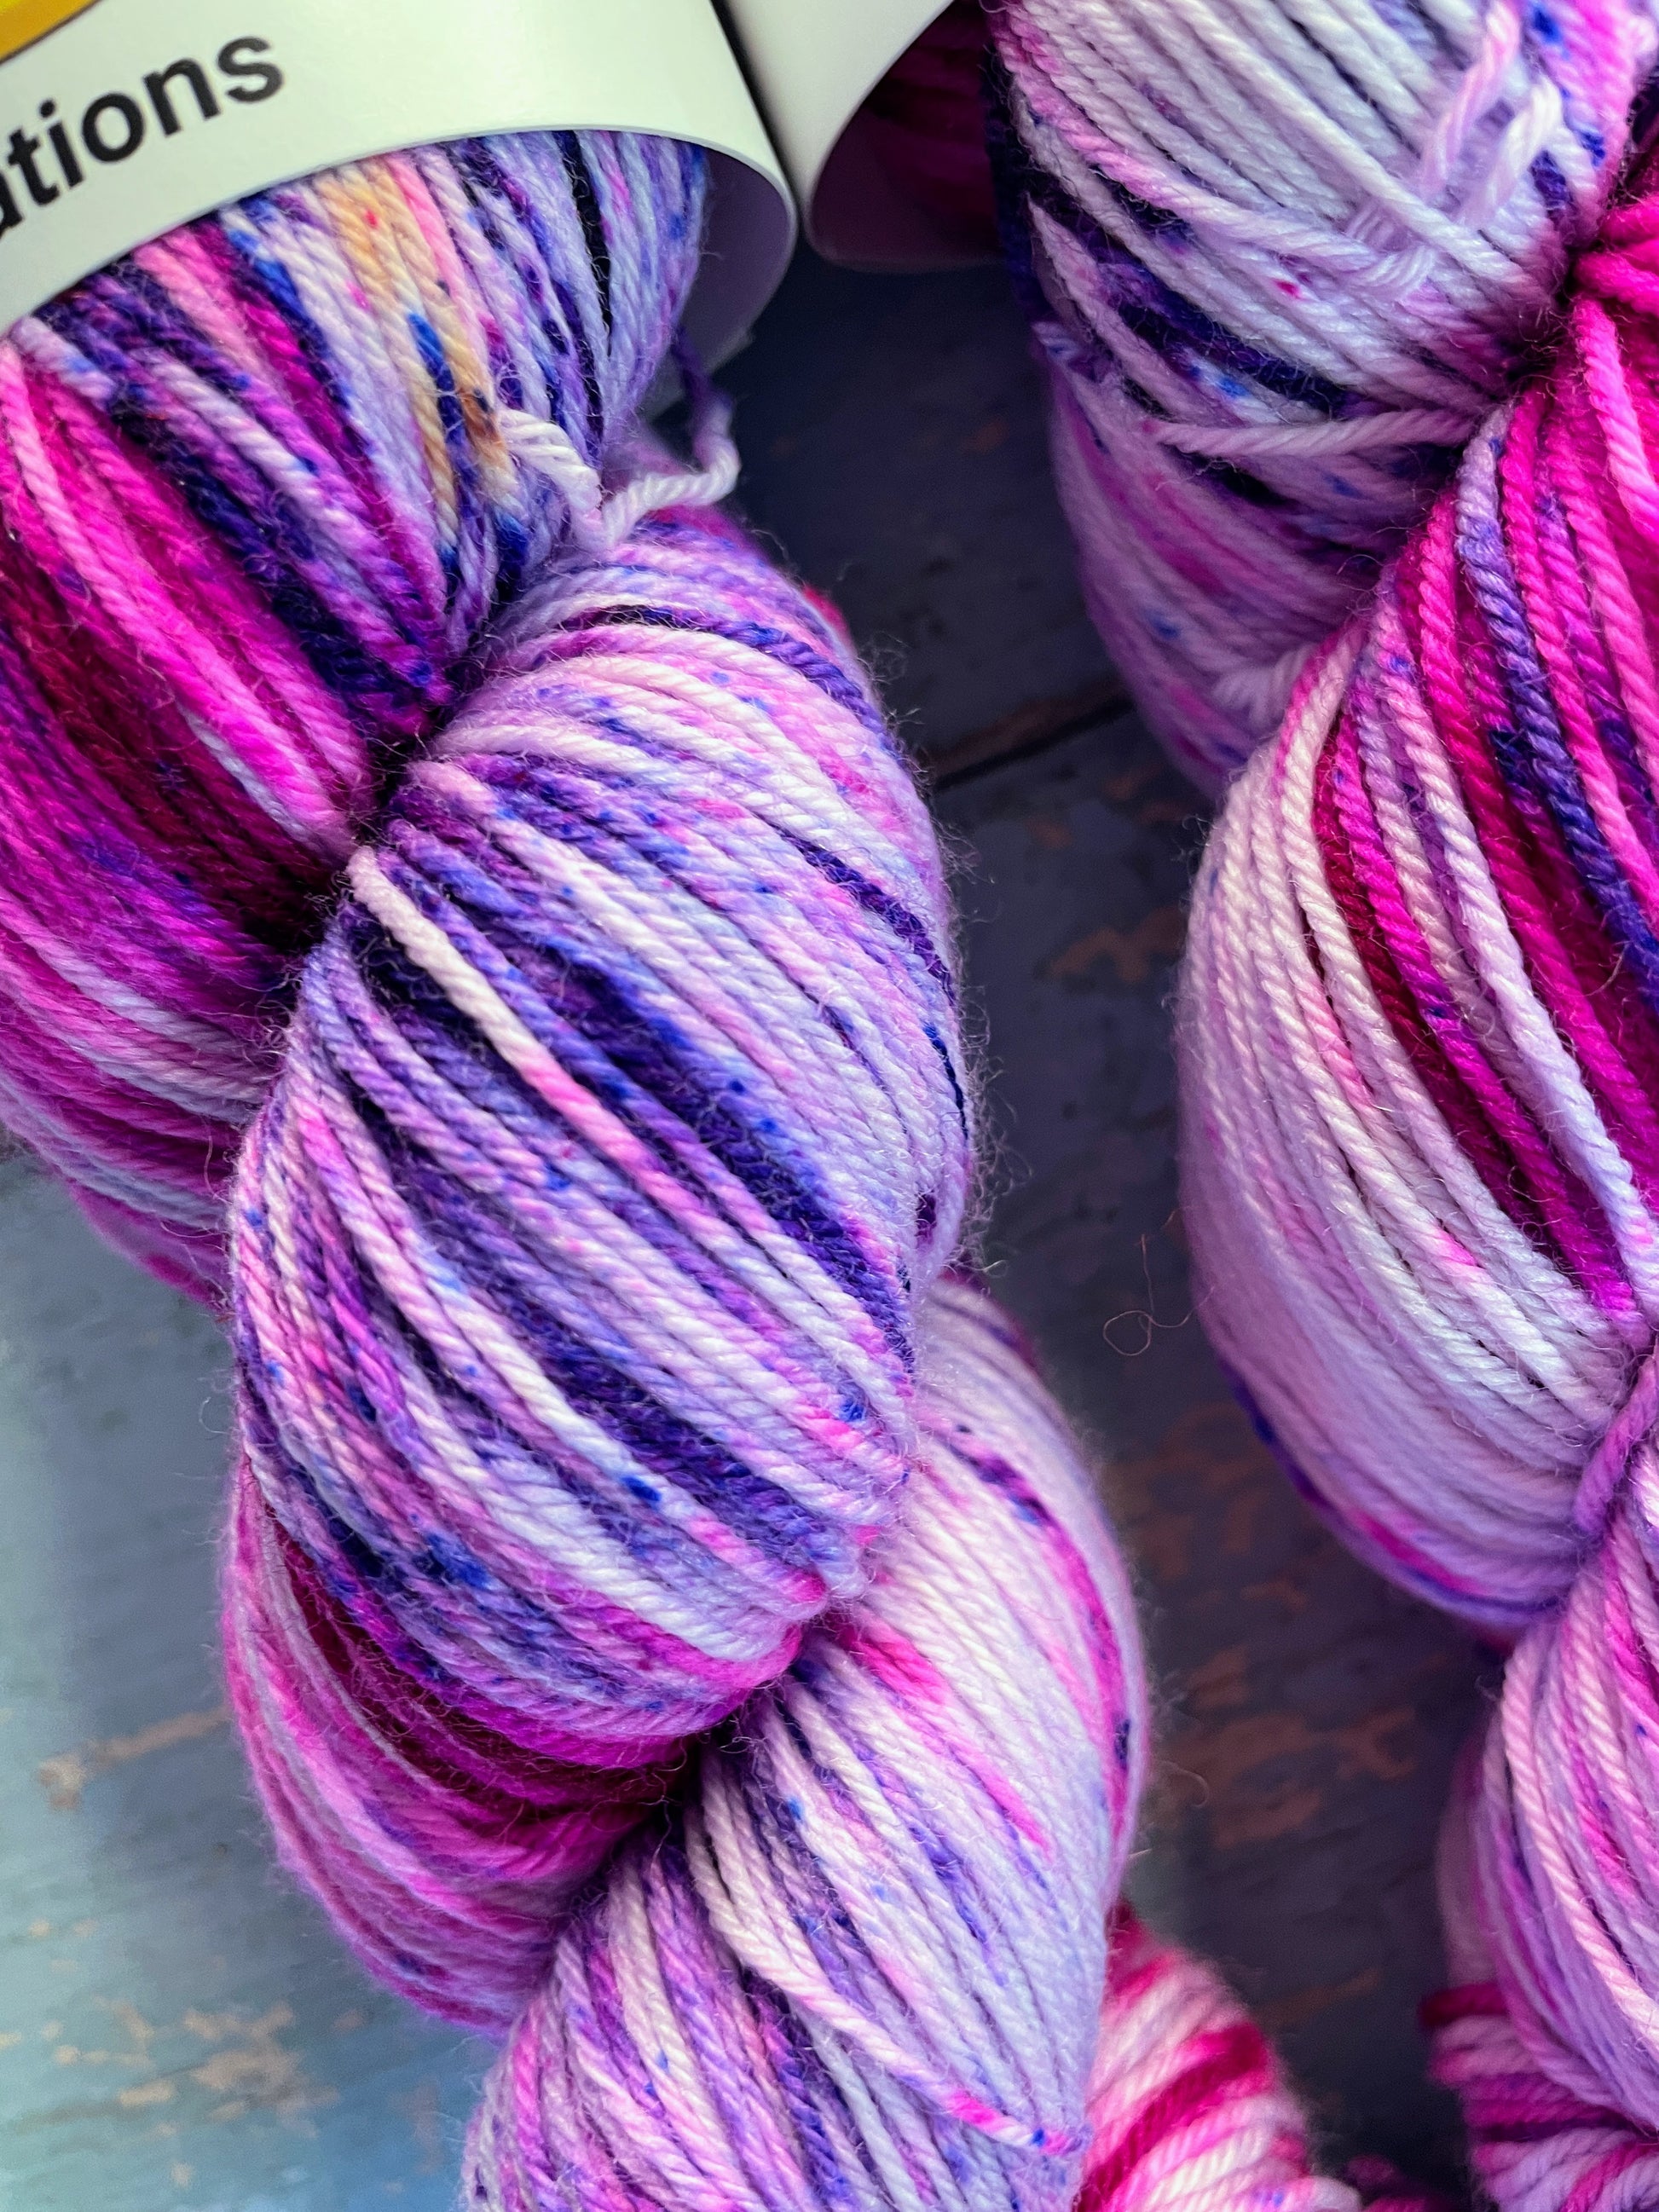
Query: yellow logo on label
pixel 23 21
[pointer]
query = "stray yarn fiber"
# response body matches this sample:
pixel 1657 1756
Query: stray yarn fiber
pixel 1281 261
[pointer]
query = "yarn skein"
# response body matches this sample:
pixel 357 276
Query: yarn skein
pixel 670 1627
pixel 616 1460
pixel 1419 1032
pixel 622 1129
pixel 864 1963
pixel 1281 257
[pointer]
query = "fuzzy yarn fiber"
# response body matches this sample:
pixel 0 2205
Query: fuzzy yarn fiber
pixel 1281 257
pixel 465 910
pixel 1420 1015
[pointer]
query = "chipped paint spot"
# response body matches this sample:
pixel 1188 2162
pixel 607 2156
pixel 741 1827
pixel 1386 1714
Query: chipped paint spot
pixel 65 1776
pixel 992 433
pixel 160 2092
pixel 421 2105
pixel 1158 935
pixel 1221 1681
pixel 254 2068
pixel 1303 2005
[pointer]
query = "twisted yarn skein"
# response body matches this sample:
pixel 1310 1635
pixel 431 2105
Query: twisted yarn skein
pixel 586 1344
pixel 669 1625
pixel 864 1964
pixel 622 1129
pixel 1419 1028
pixel 1281 257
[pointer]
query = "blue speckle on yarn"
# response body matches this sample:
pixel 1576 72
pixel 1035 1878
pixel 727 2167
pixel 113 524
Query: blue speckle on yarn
pixel 453 1562
pixel 1121 1741
pixel 1544 26
pixel 646 1492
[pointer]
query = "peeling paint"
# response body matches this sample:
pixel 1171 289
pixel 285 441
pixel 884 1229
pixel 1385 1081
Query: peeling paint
pixel 65 1776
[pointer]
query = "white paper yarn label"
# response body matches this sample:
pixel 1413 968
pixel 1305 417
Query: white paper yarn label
pixel 812 63
pixel 120 119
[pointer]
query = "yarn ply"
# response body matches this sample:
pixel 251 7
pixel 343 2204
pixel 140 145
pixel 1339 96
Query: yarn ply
pixel 1281 260
pixel 1420 1041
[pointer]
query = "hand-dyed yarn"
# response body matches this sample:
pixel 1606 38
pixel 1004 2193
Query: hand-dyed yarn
pixel 1188 2108
pixel 668 1626
pixel 1281 257
pixel 1420 1041
pixel 621 1130
pixel 261 484
pixel 863 1962
pixel 616 1460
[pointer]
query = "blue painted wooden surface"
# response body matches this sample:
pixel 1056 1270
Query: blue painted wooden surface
pixel 178 2032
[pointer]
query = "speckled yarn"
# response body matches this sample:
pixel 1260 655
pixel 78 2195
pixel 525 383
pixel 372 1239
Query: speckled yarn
pixel 616 1460
pixel 863 1962
pixel 1281 257
pixel 1420 1041
pixel 623 1127
pixel 261 485
pixel 671 1627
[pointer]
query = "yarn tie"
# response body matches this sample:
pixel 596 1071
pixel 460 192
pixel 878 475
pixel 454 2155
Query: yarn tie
pixel 603 508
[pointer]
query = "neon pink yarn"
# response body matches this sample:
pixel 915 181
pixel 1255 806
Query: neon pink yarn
pixel 1420 1052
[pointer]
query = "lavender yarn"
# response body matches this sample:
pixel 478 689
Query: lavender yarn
pixel 865 1965
pixel 623 1127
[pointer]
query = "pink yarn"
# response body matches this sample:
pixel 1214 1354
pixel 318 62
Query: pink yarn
pixel 1281 261
pixel 1290 268
pixel 1420 1034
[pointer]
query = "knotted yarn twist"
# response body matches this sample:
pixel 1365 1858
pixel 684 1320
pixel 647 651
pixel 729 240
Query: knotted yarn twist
pixel 1281 257
pixel 1420 1037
